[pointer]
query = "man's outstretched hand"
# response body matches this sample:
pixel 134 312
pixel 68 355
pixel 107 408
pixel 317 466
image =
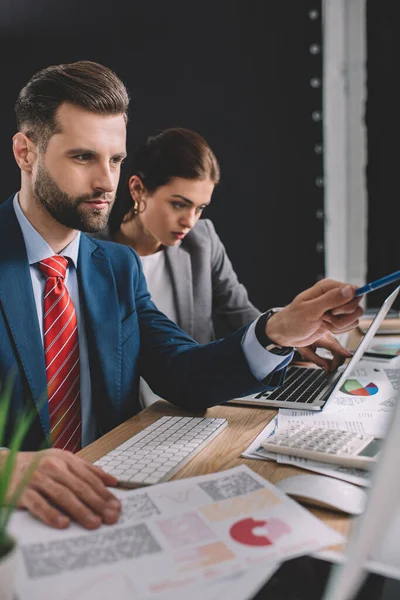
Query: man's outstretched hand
pixel 329 307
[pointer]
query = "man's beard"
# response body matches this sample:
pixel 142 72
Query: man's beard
pixel 65 208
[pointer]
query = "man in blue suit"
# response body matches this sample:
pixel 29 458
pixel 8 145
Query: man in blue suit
pixel 69 147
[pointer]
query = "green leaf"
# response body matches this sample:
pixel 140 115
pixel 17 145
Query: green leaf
pixel 10 504
pixel 18 436
pixel 7 465
pixel 5 401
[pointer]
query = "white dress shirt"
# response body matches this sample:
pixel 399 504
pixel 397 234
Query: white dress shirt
pixel 37 249
pixel 159 283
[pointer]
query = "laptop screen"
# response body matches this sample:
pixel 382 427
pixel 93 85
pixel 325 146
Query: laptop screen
pixel 365 341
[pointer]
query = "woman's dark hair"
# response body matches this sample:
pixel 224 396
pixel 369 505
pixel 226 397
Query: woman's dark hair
pixel 86 84
pixel 174 152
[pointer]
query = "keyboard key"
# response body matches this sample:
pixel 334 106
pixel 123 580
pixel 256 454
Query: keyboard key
pixel 139 478
pixel 152 479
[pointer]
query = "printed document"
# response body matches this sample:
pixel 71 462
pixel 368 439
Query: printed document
pixel 171 539
pixel 359 421
pixel 369 387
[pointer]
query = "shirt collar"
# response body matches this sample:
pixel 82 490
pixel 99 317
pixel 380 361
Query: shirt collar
pixel 37 248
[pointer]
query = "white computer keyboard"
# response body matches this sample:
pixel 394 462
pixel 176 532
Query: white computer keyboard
pixel 160 450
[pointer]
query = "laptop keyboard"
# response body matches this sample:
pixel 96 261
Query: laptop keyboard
pixel 302 385
pixel 160 450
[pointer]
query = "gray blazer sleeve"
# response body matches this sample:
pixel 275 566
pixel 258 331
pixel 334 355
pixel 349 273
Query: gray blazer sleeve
pixel 231 305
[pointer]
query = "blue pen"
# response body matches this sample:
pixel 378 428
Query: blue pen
pixel 374 285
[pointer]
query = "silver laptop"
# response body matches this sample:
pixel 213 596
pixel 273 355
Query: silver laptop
pixel 309 388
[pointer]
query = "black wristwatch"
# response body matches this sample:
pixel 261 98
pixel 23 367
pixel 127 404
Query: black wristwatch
pixel 264 340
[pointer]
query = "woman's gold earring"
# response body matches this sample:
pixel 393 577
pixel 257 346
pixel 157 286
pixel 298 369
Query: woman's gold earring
pixel 135 207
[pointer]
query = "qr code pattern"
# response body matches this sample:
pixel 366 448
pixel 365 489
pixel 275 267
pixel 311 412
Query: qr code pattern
pixel 230 486
pixel 388 404
pixel 104 547
pixel 136 508
pixel 394 378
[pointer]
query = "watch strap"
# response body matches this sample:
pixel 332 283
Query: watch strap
pixel 262 337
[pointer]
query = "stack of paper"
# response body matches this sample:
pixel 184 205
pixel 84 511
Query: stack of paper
pixel 369 413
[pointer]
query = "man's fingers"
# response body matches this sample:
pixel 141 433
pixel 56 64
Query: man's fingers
pixel 90 488
pixel 93 494
pixel 343 321
pixel 333 298
pixel 323 286
pixel 339 353
pixel 338 331
pixel 95 477
pixel 106 478
pixel 62 496
pixel 76 462
pixel 312 338
pixel 337 360
pixel 65 483
pixel 331 344
pixel 309 354
pixel 42 510
pixel 347 308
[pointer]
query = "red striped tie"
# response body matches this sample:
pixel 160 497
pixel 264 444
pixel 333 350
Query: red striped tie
pixel 61 350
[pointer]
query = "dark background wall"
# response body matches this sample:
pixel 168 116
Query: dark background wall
pixel 246 75
pixel 383 129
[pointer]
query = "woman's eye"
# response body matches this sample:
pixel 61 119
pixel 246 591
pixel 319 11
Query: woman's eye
pixel 178 205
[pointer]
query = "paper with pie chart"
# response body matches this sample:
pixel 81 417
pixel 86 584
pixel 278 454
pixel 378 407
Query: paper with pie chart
pixel 173 539
pixel 369 388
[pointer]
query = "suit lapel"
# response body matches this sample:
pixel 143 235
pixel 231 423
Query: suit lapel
pixel 179 265
pixel 17 299
pixel 99 298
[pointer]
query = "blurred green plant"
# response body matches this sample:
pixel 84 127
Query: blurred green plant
pixel 9 498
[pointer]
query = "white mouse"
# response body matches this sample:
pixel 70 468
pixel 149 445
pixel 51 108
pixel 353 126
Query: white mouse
pixel 325 492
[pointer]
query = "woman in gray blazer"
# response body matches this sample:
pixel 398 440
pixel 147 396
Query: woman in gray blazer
pixel 188 272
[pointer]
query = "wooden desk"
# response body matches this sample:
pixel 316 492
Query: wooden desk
pixel 244 424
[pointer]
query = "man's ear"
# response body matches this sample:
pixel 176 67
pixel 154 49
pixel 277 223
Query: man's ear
pixel 136 188
pixel 25 152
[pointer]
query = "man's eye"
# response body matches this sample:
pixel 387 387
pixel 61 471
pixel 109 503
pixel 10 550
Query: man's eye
pixel 83 157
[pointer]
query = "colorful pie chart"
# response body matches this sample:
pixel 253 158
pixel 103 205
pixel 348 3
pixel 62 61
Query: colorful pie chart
pixel 353 387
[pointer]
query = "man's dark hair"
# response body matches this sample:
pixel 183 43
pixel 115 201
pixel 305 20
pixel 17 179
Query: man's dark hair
pixel 86 84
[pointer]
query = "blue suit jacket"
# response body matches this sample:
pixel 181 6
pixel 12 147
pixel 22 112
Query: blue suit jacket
pixel 127 336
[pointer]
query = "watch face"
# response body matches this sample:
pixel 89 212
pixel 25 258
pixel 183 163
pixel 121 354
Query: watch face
pixel 275 349
pixel 272 347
